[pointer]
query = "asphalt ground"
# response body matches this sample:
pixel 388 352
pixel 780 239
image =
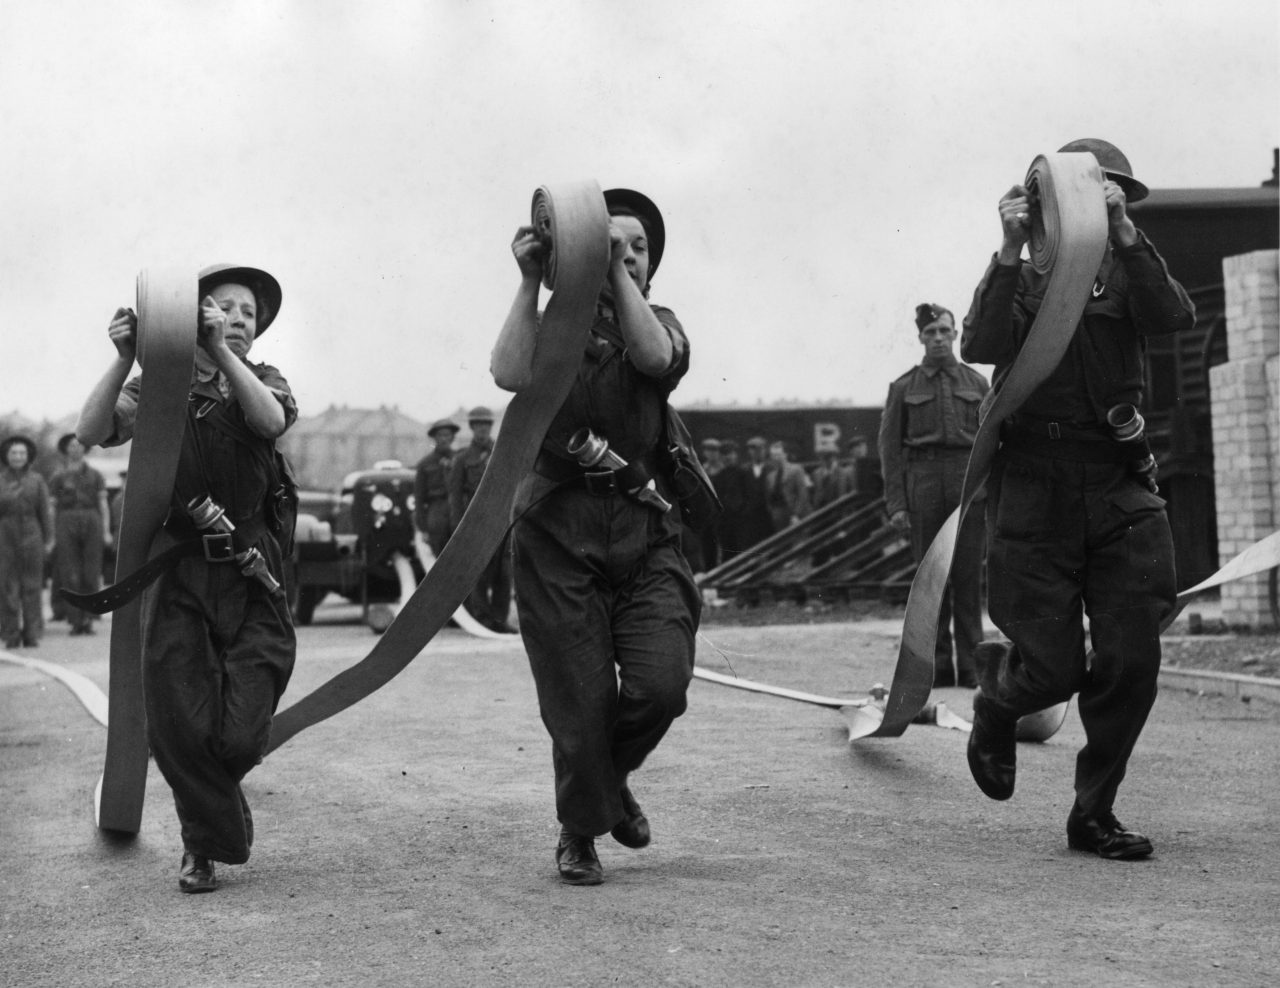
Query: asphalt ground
pixel 409 841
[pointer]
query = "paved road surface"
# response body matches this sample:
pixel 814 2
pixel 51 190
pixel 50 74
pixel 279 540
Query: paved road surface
pixel 409 841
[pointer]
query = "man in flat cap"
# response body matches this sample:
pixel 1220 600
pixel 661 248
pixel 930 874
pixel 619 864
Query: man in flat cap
pixel 490 601
pixel 756 523
pixel 431 486
pixel 927 430
pixel 787 490
pixel 713 464
pixel 731 487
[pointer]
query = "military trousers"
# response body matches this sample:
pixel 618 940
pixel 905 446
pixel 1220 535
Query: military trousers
pixel 933 488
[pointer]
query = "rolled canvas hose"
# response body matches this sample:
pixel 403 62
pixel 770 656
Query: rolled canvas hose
pixel 167 318
pixel 573 216
pixel 1068 240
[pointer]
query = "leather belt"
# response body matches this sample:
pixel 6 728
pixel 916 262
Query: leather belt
pixel 1068 241
pixel 1033 426
pixel 575 218
pixel 216 547
pixel 1074 450
pixel 167 306
pixel 598 483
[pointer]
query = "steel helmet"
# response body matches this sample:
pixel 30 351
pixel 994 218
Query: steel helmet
pixel 647 212
pixel 1113 163
pixel 264 287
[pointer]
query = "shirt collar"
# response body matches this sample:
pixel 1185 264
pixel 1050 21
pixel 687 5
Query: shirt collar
pixel 950 365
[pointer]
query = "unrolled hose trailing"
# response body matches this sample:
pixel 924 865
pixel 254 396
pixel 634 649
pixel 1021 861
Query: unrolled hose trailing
pixel 574 225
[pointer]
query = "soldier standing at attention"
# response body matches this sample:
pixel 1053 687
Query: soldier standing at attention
pixel 490 601
pixel 82 521
pixel 1075 530
pixel 431 487
pixel 927 430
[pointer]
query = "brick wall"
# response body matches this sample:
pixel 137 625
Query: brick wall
pixel 1245 404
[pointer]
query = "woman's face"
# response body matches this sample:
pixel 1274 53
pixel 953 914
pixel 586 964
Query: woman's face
pixel 637 254
pixel 17 456
pixel 241 308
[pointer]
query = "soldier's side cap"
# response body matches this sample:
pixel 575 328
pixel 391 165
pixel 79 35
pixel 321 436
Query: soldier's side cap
pixel 927 312
pixel 11 441
pixel 265 289
pixel 480 414
pixel 645 208
pixel 1113 163
pixel 711 444
pixel 440 425
pixel 757 441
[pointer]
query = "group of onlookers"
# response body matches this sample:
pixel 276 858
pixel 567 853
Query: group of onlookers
pixel 770 492
pixel 66 520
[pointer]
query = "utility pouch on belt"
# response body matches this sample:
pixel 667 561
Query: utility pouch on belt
pixel 699 504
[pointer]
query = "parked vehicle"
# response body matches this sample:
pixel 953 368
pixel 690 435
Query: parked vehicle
pixel 346 542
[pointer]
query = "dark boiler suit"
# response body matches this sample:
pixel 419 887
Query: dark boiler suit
pixel 217 648
pixel 607 603
pixel 1072 531
pixel 26 524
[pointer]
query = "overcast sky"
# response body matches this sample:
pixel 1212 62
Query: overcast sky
pixel 822 167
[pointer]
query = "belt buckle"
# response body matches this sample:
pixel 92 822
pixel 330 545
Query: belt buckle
pixel 1055 432
pixel 600 483
pixel 218 547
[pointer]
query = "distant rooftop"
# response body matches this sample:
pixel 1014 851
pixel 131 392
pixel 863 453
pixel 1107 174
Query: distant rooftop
pixel 1265 197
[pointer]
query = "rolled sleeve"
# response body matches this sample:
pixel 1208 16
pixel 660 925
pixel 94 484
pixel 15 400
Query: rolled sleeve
pixel 125 415
pixel 679 365
pixel 279 387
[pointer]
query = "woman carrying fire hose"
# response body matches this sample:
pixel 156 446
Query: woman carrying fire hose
pixel 217 640
pixel 608 607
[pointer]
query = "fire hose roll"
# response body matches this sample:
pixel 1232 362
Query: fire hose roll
pixel 572 219
pixel 1068 241
pixel 167 305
